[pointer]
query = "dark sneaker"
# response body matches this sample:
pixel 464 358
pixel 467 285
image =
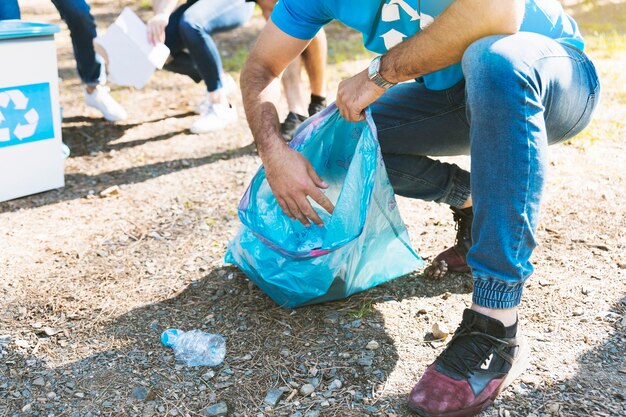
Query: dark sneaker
pixel 478 363
pixel 317 104
pixel 454 259
pixel 290 125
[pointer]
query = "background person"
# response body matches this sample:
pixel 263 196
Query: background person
pixel 189 27
pixel 82 26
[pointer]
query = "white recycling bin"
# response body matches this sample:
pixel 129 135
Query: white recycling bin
pixel 31 157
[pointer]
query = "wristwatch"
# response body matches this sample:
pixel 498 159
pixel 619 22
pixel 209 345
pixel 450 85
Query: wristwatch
pixel 373 72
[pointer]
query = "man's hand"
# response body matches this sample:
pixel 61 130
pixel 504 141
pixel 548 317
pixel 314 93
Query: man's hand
pixel 292 179
pixel 355 94
pixel 156 28
pixel 266 7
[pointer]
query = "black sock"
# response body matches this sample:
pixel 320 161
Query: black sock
pixel 315 99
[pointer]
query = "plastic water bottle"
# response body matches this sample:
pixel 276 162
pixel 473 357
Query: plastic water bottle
pixel 195 347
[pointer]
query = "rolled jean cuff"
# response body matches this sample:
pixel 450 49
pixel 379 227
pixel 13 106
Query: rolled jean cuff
pixel 459 189
pixel 492 293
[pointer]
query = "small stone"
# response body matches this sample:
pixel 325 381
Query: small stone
pixel 440 331
pixel 208 375
pixel 140 393
pixel 155 236
pixel 621 265
pixel 422 311
pixel 553 408
pixel 49 331
pixel 40 382
pixel 79 395
pixel 578 311
pixel 22 343
pixel 372 345
pixel 273 396
pixel 51 395
pixel 531 380
pixel 325 403
pixel 306 390
pixel 446 295
pixel 110 191
pixel 335 385
pixel 364 361
pixel 26 408
pixel 219 409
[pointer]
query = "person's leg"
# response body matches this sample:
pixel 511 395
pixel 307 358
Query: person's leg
pixel 413 122
pixel 199 22
pixel 82 26
pixel 314 58
pixel 540 92
pixel 9 9
pixel 292 85
pixel 179 60
pixel 296 103
pixel 523 92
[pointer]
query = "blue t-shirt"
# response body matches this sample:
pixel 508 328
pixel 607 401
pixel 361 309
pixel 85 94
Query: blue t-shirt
pixel 385 23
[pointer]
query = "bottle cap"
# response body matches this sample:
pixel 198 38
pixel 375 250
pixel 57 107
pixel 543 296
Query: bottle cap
pixel 168 337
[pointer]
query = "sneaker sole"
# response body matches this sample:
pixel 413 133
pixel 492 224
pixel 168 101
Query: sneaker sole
pixel 518 368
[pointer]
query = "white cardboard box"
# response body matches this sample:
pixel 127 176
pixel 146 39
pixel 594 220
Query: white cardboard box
pixel 31 158
pixel 131 60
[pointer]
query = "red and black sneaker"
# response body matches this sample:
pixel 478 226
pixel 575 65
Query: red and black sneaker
pixel 453 259
pixel 479 362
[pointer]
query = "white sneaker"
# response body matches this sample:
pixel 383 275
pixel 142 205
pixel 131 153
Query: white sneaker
pixel 216 117
pixel 229 87
pixel 101 100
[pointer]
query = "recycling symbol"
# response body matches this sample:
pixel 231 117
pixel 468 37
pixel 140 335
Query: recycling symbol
pixel 31 117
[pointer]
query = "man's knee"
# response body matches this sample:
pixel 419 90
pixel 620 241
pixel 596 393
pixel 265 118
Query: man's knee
pixel 189 22
pixel 493 61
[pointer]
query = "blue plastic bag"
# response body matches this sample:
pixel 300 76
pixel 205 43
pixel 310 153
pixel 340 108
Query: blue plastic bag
pixel 363 244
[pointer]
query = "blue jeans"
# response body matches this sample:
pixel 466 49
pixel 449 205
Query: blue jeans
pixel 190 27
pixel 77 16
pixel 9 9
pixel 521 93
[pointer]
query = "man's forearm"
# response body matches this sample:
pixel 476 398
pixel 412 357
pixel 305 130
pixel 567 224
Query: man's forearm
pixel 446 39
pixel 261 91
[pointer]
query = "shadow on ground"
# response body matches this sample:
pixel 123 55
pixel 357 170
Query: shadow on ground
pixel 85 135
pixel 325 343
pixel 81 185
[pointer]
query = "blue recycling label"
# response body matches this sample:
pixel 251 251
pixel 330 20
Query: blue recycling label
pixel 25 114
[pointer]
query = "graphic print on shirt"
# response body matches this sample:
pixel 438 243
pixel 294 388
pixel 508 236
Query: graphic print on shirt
pixel 392 12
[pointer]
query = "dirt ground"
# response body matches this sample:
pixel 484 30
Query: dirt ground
pixel 88 282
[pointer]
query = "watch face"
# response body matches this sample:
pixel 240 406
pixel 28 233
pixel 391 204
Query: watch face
pixel 374 66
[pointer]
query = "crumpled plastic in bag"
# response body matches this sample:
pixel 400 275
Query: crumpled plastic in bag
pixel 364 242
